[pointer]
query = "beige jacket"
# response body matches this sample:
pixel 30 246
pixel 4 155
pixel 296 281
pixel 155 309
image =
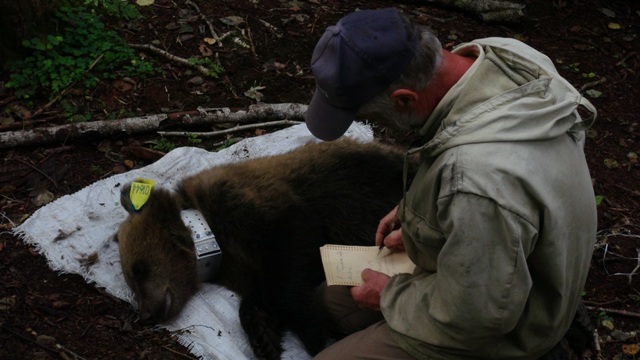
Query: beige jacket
pixel 501 217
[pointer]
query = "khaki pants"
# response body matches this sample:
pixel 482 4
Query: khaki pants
pixel 363 333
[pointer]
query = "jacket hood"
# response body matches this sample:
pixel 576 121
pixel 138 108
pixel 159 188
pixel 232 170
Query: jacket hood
pixel 527 100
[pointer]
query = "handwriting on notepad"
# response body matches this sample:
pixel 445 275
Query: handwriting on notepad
pixel 343 264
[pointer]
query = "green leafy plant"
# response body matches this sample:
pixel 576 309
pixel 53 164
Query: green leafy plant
pixel 83 52
pixel 574 67
pixel 194 139
pixel 116 8
pixel 163 144
pixel 599 199
pixel 213 68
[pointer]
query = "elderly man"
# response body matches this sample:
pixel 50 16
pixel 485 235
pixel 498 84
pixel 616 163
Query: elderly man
pixel 500 219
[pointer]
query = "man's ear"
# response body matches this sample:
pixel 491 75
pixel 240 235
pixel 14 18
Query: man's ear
pixel 404 99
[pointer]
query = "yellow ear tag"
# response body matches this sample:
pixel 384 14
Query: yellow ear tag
pixel 140 191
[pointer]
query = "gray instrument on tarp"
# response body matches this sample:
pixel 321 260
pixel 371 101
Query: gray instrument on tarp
pixel 208 251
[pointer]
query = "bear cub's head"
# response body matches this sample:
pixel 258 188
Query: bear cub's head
pixel 157 255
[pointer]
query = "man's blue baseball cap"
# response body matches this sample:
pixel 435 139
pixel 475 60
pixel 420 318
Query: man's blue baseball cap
pixel 354 61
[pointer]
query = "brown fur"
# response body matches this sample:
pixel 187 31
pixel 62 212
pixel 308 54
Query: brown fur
pixel 269 215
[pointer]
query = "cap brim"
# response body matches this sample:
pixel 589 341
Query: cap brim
pixel 327 122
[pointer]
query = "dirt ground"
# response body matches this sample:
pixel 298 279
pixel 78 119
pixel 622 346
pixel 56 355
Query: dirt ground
pixel 45 315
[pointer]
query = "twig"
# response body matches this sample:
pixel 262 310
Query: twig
pixel 8 219
pixel 178 353
pixel 633 272
pixel 64 349
pixel 592 84
pixel 88 327
pixel 203 70
pixel 27 123
pixel 228 131
pixel 613 311
pixel 253 48
pixel 8 329
pixel 589 43
pixel 7 100
pixel 624 59
pixel 40 171
pixel 226 78
pixel 595 303
pixel 596 342
pixel 204 18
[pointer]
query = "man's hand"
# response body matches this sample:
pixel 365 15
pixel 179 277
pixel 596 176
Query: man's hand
pixel 368 294
pixel 389 232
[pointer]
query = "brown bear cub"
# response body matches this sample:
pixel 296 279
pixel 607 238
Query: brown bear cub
pixel 269 216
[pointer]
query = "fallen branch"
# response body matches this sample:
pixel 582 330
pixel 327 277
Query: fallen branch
pixel 229 131
pixel 491 11
pixel 203 70
pixel 592 84
pixel 255 113
pixel 613 311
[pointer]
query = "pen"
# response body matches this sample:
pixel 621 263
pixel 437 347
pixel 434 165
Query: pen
pixel 380 248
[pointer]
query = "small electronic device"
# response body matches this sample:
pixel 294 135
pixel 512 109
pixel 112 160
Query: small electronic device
pixel 208 252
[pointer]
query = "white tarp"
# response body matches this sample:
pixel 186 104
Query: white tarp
pixel 74 228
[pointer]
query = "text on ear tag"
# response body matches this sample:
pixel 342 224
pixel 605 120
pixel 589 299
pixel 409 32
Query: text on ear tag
pixel 140 191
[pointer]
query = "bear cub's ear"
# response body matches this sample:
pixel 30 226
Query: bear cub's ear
pixel 135 195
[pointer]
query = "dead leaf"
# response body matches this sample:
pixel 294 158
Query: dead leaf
pixel 630 349
pixel 60 304
pixel 593 93
pixel 7 303
pixel 295 5
pixel 209 40
pixel 607 12
pixel 633 157
pixel 121 85
pixel 611 163
pixel 232 20
pixel 608 324
pixel 145 2
pixel 205 51
pixel 620 335
pixel 614 26
pixel 273 65
pixel 21 111
pixel 42 198
pixel 254 93
pixel 6 120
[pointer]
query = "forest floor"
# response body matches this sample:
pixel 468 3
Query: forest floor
pixel 46 315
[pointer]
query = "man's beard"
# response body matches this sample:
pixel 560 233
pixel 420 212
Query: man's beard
pixel 382 112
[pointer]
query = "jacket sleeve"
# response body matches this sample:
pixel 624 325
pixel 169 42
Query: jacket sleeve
pixel 481 283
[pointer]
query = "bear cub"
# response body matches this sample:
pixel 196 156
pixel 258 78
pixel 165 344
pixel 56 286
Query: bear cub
pixel 270 216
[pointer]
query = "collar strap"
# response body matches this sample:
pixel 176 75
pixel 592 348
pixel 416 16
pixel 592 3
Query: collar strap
pixel 208 252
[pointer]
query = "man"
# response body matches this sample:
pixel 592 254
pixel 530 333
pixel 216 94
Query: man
pixel 500 219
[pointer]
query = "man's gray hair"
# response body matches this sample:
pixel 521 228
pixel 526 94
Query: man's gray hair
pixel 416 76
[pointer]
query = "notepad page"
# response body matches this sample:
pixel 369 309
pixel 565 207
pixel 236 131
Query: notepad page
pixel 343 264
